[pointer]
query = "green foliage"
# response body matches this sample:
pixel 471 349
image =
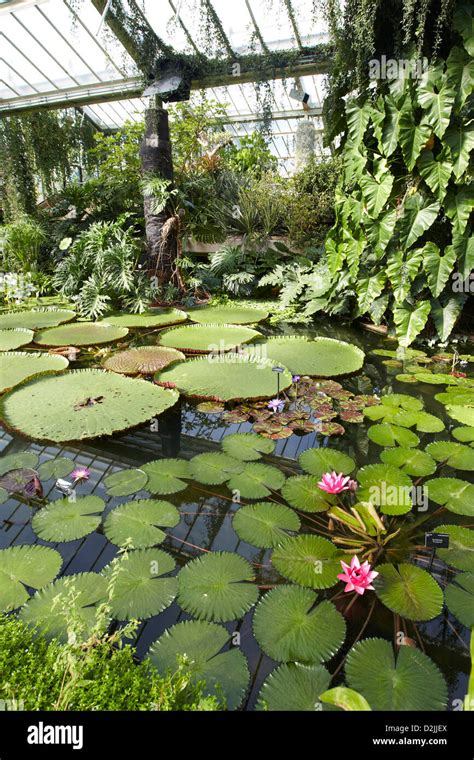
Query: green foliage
pixel 20 244
pixel 251 156
pixel 310 202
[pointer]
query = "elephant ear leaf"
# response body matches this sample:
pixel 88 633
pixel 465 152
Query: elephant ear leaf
pixel 437 267
pixel 436 172
pixel 409 321
pixel 458 206
pixel 437 101
pixel 445 317
pixel 460 140
pixel 376 189
pixel 418 216
pixel 357 120
pixel 412 137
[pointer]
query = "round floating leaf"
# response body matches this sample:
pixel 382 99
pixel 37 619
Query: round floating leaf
pixel 386 487
pixel 225 674
pixel 412 682
pixel 465 434
pixel 16 366
pixel 319 461
pixel 424 422
pixel 80 334
pixel 454 494
pixel 227 315
pixel 247 446
pixel 75 597
pixel 82 404
pixel 460 598
pixel 461 547
pixel 145 360
pixel 214 468
pixel 23 482
pixel 411 461
pixel 436 378
pixel 125 482
pixel 324 357
pixel 463 414
pixel 294 687
pixel 456 397
pixel 25 565
pixel 14 338
pixel 207 338
pixel 216 587
pixel 210 407
pixel 346 699
pixel 139 590
pixel 229 377
pixel 164 475
pixel 402 400
pixel 19 461
pixel 66 520
pixel 289 625
pixel 36 318
pixel 409 591
pixel 55 468
pixel 387 434
pixel 256 481
pixel 149 318
pixel 456 455
pixel 308 560
pixel 141 521
pixel 4 495
pixel 303 492
pixel 265 524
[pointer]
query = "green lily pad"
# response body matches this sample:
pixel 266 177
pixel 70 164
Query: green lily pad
pixel 81 404
pixel 409 591
pixel 461 414
pixel 66 520
pixel 210 407
pixel 125 482
pixel 465 434
pixel 214 468
pixel 456 455
pixel 144 360
pixel 147 319
pixel 423 422
pixel 256 481
pixel 21 460
pixel 16 366
pixel 36 318
pixel 322 460
pixel 14 338
pixel 387 434
pixel 412 461
pixel 290 626
pixel 324 357
pixel 308 560
pixel 303 492
pixel 80 334
pixel 224 673
pixel 164 476
pixel 294 687
pixel 141 521
pixel 265 524
pixel 454 494
pixel 218 586
pixel 56 468
pixel 207 338
pixel 411 682
pixel 345 699
pixel 247 446
pixel 22 566
pixel 386 487
pixel 227 315
pixel 460 598
pixel 461 547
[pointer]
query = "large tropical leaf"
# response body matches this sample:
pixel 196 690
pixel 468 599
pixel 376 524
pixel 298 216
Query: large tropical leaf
pixel 411 682
pixel 418 216
pixel 247 446
pixel 125 482
pixel 437 267
pixel 308 560
pixel 460 598
pixel 402 268
pixel 324 357
pixel 376 189
pixel 460 139
pixel 138 524
pixel 290 626
pixel 319 461
pixel 214 468
pixel 391 126
pixel 410 460
pixel 461 547
pixel 227 315
pixel 65 605
pixel 139 589
pixel 445 316
pixel 460 73
pixel 409 591
pixel 80 334
pixel 412 137
pixel 16 366
pixel 36 318
pixel 265 524
pixel 217 586
pixel 22 566
pixel 256 481
pixel 294 687
pixel 454 454
pixel 437 102
pixel 436 172
pixel 14 338
pixel 82 404
pixel 66 520
pixel 165 476
pixel 144 360
pixel 302 492
pixel 223 673
pixel 454 494
pixel 386 487
pixel 409 321
pixel 207 338
pixel 357 120
pixel 232 377
pixel 147 319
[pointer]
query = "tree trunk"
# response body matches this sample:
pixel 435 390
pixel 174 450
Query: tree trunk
pixel 156 158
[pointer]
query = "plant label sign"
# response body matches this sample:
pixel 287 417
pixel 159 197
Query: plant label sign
pixel 437 540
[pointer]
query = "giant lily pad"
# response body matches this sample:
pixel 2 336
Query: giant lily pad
pixel 460 598
pixel 256 481
pixel 456 455
pixel 461 547
pixel 303 492
pixel 227 315
pixel 217 586
pixel 139 590
pixel 80 334
pixel 247 446
pixel 16 366
pixel 231 377
pixel 207 338
pixel 164 476
pixel 324 357
pixel 82 404
pixel 147 319
pixel 412 682
pixel 138 524
pixel 14 338
pixel 289 625
pixel 265 524
pixel 145 360
pixel 22 566
pixel 319 461
pixel 412 461
pixel 308 560
pixel 72 597
pixel 224 673
pixel 66 520
pixel 295 687
pixel 36 318
pixel 409 591
pixel 386 487
pixel 454 494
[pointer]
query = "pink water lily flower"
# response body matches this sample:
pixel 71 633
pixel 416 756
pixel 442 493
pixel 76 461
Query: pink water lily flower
pixel 357 577
pixel 331 482
pixel 80 473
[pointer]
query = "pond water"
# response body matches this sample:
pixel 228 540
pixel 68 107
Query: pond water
pixel 206 510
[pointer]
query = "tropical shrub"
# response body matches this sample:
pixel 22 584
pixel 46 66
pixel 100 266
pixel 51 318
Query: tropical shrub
pixel 310 202
pixel 251 156
pixel 20 244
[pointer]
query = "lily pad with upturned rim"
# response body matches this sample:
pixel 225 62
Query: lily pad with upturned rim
pixel 207 338
pixel 66 520
pixel 308 560
pixel 80 334
pixel 35 318
pixel 409 591
pixel 22 566
pixel 322 357
pixel 295 687
pixel 140 521
pixel 227 315
pixel 17 366
pixel 14 338
pixel 144 360
pixel 160 317
pixel 265 524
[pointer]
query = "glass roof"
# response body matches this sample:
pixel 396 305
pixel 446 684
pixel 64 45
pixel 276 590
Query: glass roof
pixel 61 51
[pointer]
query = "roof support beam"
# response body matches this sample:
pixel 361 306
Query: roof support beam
pixel 291 15
pixel 219 28
pixel 256 27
